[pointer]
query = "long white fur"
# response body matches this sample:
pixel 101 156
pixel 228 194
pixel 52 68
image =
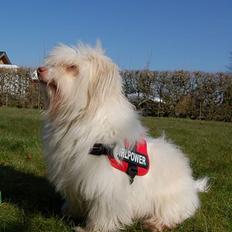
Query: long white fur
pixel 92 110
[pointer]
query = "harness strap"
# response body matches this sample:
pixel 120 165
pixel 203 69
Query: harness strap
pixel 132 172
pixel 100 149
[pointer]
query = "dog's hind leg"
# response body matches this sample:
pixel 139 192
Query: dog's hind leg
pixel 172 209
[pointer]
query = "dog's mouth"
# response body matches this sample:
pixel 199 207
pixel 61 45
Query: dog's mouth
pixel 49 84
pixel 52 98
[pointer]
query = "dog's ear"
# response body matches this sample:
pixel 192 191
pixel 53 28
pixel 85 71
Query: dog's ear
pixel 105 82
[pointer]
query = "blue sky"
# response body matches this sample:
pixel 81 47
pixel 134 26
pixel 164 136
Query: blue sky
pixel 166 34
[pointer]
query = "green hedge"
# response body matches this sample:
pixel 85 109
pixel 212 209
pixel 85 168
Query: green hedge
pixel 17 89
pixel 196 95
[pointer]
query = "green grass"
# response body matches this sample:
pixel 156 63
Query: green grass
pixel 31 204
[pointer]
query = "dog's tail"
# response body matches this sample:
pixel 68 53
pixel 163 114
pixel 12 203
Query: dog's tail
pixel 202 184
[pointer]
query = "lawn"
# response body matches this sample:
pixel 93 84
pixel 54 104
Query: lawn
pixel 29 202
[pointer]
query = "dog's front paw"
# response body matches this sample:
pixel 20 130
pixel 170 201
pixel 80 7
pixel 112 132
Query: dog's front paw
pixel 79 229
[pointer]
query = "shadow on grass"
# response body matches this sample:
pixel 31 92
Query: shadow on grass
pixel 13 227
pixel 29 192
pixel 32 195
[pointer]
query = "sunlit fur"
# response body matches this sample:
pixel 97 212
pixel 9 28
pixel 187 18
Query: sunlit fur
pixel 86 107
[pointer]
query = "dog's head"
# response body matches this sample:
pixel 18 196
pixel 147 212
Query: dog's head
pixel 78 79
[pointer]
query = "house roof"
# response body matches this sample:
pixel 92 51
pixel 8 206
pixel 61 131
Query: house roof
pixel 4 56
pixel 9 66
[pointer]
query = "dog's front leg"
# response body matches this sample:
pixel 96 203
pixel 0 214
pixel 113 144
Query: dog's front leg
pixel 97 226
pixel 103 217
pixel 79 229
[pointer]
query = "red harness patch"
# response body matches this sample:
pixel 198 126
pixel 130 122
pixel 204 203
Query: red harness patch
pixel 132 160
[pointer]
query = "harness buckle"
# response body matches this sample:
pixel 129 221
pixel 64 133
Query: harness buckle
pixel 132 171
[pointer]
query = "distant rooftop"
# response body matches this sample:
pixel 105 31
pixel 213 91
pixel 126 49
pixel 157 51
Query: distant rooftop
pixel 4 58
pixel 9 66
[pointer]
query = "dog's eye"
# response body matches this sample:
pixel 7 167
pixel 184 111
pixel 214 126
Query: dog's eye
pixel 72 68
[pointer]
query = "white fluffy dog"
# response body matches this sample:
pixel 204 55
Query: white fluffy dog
pixel 87 107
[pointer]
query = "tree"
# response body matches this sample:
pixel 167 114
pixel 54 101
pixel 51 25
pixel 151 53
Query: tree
pixel 229 67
